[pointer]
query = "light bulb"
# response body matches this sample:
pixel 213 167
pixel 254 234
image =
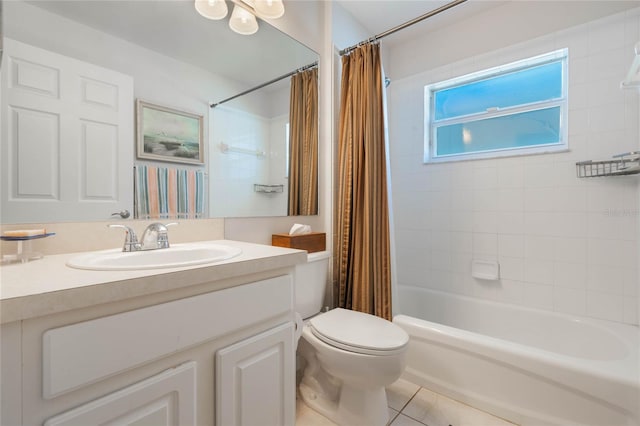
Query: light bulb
pixel 271 9
pixel 212 9
pixel 242 21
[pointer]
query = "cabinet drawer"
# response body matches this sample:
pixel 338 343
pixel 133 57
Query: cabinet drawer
pixel 83 353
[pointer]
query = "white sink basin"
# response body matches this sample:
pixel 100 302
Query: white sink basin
pixel 175 256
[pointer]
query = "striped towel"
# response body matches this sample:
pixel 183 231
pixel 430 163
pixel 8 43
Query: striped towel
pixel 168 193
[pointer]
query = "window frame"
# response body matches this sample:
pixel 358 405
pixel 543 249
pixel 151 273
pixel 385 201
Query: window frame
pixel 430 142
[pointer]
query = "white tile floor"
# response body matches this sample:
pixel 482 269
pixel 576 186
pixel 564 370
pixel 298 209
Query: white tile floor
pixel 411 405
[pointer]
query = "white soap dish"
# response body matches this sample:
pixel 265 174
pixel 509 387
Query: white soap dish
pixel 485 269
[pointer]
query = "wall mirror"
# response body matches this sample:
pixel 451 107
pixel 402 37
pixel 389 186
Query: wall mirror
pixel 173 58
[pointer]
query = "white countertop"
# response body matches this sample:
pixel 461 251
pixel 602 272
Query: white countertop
pixel 48 286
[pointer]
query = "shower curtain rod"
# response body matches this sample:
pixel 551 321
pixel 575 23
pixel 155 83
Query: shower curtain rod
pixel 403 26
pixel 289 74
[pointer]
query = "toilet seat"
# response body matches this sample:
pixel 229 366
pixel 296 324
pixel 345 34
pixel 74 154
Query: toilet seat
pixel 359 332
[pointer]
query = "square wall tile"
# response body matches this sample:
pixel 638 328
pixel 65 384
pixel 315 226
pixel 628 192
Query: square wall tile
pixel 539 175
pixel 511 222
pixel 538 296
pixel 510 245
pixel 510 176
pixel 485 245
pixel 605 306
pixel 539 247
pixel 485 177
pixel 605 36
pixel 485 222
pixel 570 250
pixel 570 300
pixel 569 224
pixel 631 306
pixel 538 271
pixel 539 199
pixel 512 268
pixel 510 199
pixel 610 279
pixel 570 275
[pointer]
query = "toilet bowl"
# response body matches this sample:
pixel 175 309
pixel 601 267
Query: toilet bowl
pixel 350 356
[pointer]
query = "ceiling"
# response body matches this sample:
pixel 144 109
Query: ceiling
pixel 175 29
pixel 378 16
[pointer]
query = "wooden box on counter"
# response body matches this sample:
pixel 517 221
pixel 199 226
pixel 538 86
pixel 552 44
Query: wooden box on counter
pixel 312 242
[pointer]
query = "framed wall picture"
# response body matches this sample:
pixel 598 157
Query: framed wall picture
pixel 167 134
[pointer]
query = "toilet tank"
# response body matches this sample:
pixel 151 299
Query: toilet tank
pixel 310 283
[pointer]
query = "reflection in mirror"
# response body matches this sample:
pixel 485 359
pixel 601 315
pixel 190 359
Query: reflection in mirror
pixel 264 160
pixel 303 144
pixel 161 52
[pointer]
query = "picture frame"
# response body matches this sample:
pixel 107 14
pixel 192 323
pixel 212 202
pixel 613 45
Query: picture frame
pixel 168 134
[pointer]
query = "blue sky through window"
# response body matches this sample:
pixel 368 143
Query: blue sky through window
pixel 522 87
pixel 516 108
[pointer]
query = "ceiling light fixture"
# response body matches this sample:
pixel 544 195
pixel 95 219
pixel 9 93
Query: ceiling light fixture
pixel 243 18
pixel 242 21
pixel 212 9
pixel 271 9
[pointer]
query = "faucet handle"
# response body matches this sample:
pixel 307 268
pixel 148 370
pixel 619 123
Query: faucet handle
pixel 130 239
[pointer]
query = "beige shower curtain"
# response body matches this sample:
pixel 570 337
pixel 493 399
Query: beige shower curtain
pixel 363 262
pixel 303 143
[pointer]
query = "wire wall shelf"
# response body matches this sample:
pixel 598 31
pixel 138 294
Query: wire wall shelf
pixel 622 164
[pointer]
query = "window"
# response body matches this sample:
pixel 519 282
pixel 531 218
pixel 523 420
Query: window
pixel 518 108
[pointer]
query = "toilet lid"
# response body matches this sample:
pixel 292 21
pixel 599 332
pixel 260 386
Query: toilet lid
pixel 359 332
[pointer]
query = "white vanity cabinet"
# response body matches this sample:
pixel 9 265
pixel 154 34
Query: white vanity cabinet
pixel 224 357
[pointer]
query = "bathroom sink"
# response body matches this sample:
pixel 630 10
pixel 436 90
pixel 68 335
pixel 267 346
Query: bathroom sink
pixel 175 256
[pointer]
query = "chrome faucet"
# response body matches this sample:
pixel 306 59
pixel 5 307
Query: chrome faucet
pixel 154 237
pixel 130 238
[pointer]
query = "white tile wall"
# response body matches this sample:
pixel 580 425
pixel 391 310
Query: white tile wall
pixel 564 244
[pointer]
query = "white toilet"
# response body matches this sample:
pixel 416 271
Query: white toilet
pixel 350 356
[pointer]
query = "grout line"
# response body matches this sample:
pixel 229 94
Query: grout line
pixel 403 407
pixel 407 403
pixel 394 418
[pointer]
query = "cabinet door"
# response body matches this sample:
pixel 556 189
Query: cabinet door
pixel 168 398
pixel 255 380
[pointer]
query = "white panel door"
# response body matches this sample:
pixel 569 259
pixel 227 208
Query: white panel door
pixel 166 399
pixel 255 380
pixel 67 137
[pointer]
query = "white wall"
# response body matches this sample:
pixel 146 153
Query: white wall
pixel 564 244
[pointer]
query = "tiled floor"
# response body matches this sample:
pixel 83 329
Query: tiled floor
pixel 411 405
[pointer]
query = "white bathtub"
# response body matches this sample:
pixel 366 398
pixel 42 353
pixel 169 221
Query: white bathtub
pixel 531 367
